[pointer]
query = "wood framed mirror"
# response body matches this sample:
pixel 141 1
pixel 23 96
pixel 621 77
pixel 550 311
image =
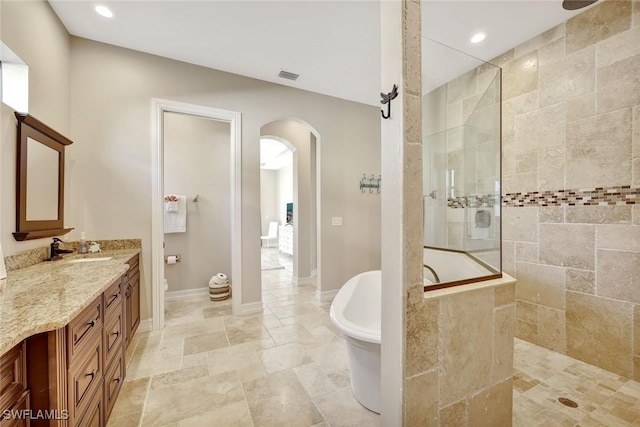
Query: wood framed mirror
pixel 40 180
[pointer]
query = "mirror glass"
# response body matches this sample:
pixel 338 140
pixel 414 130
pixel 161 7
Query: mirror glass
pixel 42 183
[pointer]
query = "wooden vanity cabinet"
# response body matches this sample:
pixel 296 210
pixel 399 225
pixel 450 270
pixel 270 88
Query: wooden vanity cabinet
pixel 131 292
pixel 14 395
pixel 78 370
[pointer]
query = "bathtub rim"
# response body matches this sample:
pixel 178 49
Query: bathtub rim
pixel 346 326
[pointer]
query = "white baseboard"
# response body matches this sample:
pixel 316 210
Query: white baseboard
pixel 302 280
pixel 185 293
pixel 326 295
pixel 145 325
pixel 251 308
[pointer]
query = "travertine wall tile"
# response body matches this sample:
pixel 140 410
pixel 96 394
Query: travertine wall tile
pixel 505 295
pixel 540 128
pixel 598 23
pixel 520 182
pixel 465 344
pixel 636 368
pixel 508 120
pixel 412 47
pixel 636 214
pixel 581 107
pixel 618 275
pixel 618 85
pixel 526 331
pixel 520 224
pixel 599 332
pixel 527 102
pixel 599 214
pixel 636 13
pixel 527 312
pixel 422 336
pixel 421 404
pixel 492 407
pixel 553 214
pixel 504 325
pixel 527 252
pixel 509 257
pixel 569 77
pixel 520 76
pixel 541 40
pixel 552 329
pixel 527 162
pixel 581 281
pixel 636 132
pixel 540 284
pixel 618 47
pixel 568 245
pixel 599 151
pixel 636 172
pixel 551 173
pixel 462 87
pixel 636 331
pixel 454 414
pixel 552 51
pixel 621 237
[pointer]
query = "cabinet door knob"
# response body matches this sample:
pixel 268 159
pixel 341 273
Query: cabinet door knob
pixel 91 324
pixel 92 373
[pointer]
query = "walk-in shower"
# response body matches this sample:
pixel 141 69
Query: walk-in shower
pixel 461 141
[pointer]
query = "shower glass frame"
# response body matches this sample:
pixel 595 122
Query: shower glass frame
pixel 462 165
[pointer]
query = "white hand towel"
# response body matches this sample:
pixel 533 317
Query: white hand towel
pixel 176 221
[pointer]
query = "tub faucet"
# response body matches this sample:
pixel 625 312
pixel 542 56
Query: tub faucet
pixel 435 275
pixel 56 251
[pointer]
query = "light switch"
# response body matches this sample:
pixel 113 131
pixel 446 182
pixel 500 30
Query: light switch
pixel 336 220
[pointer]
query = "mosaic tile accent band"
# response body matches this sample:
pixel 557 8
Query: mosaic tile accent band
pixel 599 196
pixel 482 201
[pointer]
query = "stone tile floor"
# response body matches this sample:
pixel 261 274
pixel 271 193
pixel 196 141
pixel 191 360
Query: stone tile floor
pixel 288 367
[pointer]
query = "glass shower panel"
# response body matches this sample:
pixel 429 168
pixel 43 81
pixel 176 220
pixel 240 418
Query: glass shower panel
pixel 461 166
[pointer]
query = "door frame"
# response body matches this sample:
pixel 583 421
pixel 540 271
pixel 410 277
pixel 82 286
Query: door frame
pixel 158 108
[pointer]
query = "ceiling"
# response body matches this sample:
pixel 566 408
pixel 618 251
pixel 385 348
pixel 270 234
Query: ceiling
pixel 333 45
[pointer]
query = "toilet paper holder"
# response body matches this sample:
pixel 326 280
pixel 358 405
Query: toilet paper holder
pixel 166 258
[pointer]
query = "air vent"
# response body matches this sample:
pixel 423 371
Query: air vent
pixel 288 75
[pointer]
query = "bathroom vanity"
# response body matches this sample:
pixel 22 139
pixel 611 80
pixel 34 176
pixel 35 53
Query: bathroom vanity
pixel 64 329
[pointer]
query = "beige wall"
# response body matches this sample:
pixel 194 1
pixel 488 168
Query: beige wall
pixel 268 199
pixel 110 100
pixel 197 161
pixel 34 33
pixel 285 191
pixel 570 122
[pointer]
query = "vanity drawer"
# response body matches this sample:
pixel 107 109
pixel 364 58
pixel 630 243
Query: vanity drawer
pixel 13 379
pixel 134 267
pixel 94 416
pixel 113 333
pixel 113 295
pixel 20 407
pixel 84 378
pixel 113 379
pixel 80 330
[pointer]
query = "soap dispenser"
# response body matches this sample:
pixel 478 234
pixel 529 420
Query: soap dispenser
pixel 82 247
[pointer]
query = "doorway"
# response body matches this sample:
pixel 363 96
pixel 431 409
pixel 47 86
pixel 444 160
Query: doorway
pixel 304 229
pixel 276 204
pixel 160 109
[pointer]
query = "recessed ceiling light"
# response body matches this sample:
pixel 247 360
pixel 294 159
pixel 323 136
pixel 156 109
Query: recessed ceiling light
pixel 478 37
pixel 104 11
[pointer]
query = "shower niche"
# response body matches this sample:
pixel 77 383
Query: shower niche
pixel 461 139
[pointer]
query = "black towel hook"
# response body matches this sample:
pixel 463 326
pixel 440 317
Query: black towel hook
pixel 386 99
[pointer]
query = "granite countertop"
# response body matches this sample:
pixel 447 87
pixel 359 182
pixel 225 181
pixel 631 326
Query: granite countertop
pixel 48 295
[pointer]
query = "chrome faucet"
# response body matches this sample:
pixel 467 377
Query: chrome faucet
pixel 56 251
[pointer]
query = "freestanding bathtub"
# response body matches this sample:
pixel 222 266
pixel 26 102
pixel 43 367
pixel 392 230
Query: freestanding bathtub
pixel 356 311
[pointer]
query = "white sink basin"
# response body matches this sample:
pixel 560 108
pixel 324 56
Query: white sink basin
pixel 104 258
